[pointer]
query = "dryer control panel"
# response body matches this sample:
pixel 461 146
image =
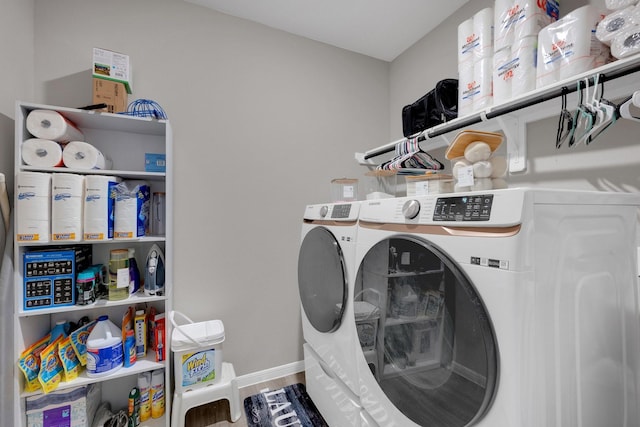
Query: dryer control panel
pixel 463 208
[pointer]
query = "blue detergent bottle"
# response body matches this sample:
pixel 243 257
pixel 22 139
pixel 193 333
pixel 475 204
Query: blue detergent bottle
pixel 61 329
pixel 134 273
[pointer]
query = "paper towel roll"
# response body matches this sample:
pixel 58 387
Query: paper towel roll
pixel 81 155
pixel 614 23
pixel 524 52
pixel 132 208
pixel 548 58
pixel 33 202
pixel 503 64
pixel 465 89
pixel 467 41
pixel 626 43
pixel 483 29
pixel 67 192
pixel 483 75
pixel 502 24
pixel 575 37
pixel 49 124
pixel 42 153
pixel 99 203
pixel 530 18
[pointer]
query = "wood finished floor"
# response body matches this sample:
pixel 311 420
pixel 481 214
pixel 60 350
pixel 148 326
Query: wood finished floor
pixel 216 414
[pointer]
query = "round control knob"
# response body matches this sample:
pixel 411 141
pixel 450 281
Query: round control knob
pixel 410 209
pixel 324 211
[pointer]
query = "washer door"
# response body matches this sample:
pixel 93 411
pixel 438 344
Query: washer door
pixel 425 333
pixel 322 279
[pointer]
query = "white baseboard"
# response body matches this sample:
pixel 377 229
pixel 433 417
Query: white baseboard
pixel 270 374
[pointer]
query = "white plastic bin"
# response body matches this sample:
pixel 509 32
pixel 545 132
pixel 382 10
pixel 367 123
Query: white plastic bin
pixel 197 352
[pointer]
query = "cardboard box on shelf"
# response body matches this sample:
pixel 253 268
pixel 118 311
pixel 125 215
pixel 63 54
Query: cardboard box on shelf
pixel 109 65
pixel 111 93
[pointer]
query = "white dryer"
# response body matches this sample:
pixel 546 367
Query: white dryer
pixel 326 273
pixel 505 308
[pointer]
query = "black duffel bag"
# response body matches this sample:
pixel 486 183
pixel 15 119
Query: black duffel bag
pixel 437 106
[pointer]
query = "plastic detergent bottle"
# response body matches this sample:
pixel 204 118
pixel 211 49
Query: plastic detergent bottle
pixel 104 348
pixel 134 273
pixel 157 393
pixel 144 384
pixel 119 274
pixel 130 349
pixel 61 329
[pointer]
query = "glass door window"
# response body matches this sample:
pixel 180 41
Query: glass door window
pixel 425 333
pixel 322 279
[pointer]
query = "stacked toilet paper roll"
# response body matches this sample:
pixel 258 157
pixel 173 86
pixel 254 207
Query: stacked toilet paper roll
pixel 99 204
pixel 51 125
pixel 514 69
pixel 132 209
pixel 67 191
pixel 43 153
pixel 82 155
pixel 566 48
pixel 475 52
pixel 34 204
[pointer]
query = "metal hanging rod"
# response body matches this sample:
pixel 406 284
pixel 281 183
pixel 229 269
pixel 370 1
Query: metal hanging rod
pixel 543 96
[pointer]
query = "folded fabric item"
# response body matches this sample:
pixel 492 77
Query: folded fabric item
pixel 42 153
pixel 49 124
pixel 81 155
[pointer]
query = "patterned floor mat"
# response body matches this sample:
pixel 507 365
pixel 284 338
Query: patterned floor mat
pixel 288 406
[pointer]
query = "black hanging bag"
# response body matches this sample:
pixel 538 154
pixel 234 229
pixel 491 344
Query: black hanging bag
pixel 437 106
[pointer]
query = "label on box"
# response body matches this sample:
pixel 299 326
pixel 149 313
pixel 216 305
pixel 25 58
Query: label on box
pixel 57 417
pixel 465 176
pixel 198 367
pixel 155 162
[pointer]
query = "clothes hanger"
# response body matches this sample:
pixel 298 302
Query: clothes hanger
pixel 565 122
pixel 585 120
pixel 624 109
pixel 607 115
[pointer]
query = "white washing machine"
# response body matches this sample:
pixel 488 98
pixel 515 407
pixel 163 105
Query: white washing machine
pixel 504 308
pixel 326 273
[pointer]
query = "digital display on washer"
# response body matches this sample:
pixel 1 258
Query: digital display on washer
pixel 464 208
pixel 340 211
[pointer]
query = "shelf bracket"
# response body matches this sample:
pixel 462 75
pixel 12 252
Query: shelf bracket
pixel 515 132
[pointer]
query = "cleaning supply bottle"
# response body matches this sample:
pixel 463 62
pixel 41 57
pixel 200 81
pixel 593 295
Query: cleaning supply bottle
pixel 61 329
pixel 134 273
pixel 104 348
pixel 157 393
pixel 118 264
pixel 144 384
pixel 130 356
pixel 134 407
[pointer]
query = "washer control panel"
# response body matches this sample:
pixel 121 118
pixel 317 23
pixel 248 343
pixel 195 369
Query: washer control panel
pixel 341 211
pixel 463 208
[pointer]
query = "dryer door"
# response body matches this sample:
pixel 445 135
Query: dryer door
pixel 322 279
pixel 425 334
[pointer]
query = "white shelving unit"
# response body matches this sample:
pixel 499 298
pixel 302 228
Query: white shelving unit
pixel 124 140
pixel 621 78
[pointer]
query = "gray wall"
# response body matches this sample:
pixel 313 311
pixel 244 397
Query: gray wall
pixel 262 122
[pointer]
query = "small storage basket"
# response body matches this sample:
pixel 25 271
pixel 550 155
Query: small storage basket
pixel 197 352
